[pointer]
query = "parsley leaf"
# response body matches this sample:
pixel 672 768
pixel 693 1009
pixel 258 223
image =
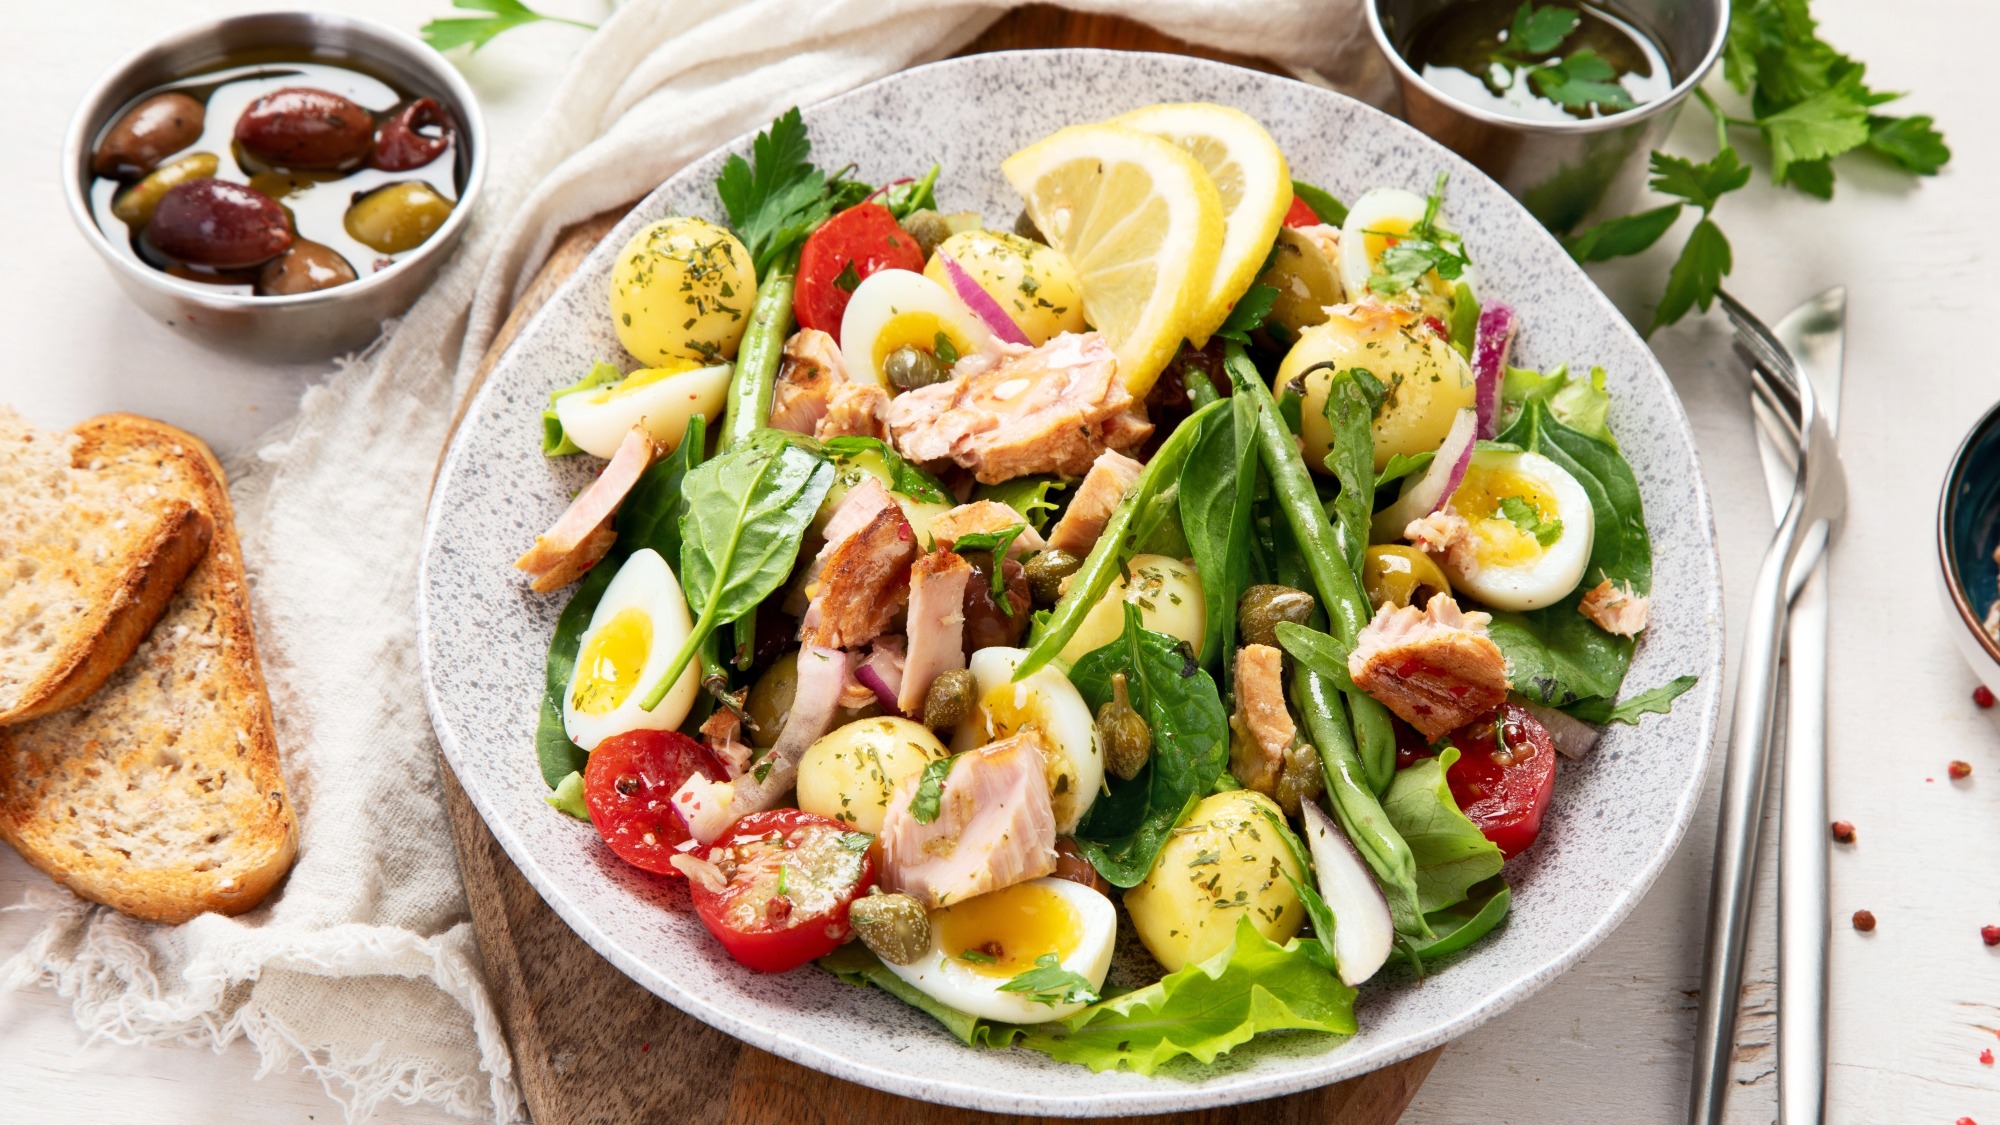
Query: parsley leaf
pixel 1623 236
pixel 1580 81
pixel 999 543
pixel 943 348
pixel 777 197
pixel 1427 247
pixel 477 31
pixel 1049 983
pixel 1529 519
pixel 1912 143
pixel 1697 274
pixel 1699 184
pixel 1538 31
pixel 1248 314
pixel 848 278
pixel 1827 124
pixel 930 790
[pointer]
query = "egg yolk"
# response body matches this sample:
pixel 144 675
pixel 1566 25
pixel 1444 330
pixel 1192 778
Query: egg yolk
pixel 919 330
pixel 608 668
pixel 1382 234
pixel 647 376
pixel 1005 930
pixel 1499 539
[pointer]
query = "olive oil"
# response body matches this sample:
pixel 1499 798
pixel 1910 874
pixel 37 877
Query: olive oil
pixel 1475 53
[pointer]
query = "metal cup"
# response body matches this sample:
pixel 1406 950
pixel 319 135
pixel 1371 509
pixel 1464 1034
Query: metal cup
pixel 1560 170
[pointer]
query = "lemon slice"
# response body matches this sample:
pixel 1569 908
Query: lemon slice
pixel 1255 184
pixel 1141 222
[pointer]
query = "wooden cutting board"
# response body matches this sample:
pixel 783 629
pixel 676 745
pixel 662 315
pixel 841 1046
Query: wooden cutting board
pixel 591 1046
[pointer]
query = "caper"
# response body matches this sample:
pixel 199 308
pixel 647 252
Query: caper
pixel 928 228
pixel 771 699
pixel 1126 739
pixel 134 206
pixel 1261 608
pixel 893 927
pixel 910 367
pixel 1026 228
pixel 398 217
pixel 949 701
pixel 1301 778
pixel 1047 571
pixel 1401 575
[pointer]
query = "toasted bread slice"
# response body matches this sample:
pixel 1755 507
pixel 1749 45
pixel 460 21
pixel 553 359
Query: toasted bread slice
pixel 90 554
pixel 161 795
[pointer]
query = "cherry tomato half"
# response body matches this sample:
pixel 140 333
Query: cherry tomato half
pixel 1504 776
pixel 791 876
pixel 841 254
pixel 628 787
pixel 1301 214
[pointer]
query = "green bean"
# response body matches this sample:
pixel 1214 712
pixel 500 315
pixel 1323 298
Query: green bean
pixel 1355 805
pixel 757 360
pixel 1200 388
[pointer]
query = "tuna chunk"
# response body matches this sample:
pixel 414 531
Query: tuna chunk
pixel 807 376
pixel 1050 409
pixel 1436 667
pixel 583 534
pixel 1264 729
pixel 855 410
pixel 986 516
pixel 994 827
pixel 1445 535
pixel 936 626
pixel 1111 476
pixel 863 583
pixel 1616 610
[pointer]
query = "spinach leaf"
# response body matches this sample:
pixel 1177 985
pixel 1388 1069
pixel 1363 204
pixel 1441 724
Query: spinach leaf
pixel 745 514
pixel 1653 701
pixel 1215 489
pixel 1450 852
pixel 554 752
pixel 1460 925
pixel 651 513
pixel 1128 825
pixel 1402 465
pixel 1324 206
pixel 1248 314
pixel 1028 496
pixel 904 478
pixel 556 443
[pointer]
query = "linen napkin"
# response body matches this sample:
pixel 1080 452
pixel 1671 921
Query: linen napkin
pixel 363 968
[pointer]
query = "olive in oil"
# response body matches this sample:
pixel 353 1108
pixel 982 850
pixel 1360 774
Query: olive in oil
pixel 1468 51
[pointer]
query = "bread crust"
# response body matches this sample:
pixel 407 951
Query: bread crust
pixel 162 795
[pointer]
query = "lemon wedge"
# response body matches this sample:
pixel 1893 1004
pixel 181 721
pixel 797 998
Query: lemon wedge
pixel 1253 180
pixel 1142 223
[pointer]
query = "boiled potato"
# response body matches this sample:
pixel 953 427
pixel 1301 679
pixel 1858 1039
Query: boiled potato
pixel 1035 284
pixel 1428 381
pixel 1225 859
pixel 1168 594
pixel 852 771
pixel 682 289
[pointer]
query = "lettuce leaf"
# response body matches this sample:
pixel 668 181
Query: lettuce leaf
pixel 556 443
pixel 568 797
pixel 1451 852
pixel 1028 496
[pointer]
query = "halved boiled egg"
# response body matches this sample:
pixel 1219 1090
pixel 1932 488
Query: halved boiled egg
pixel 983 945
pixel 1046 701
pixel 891 309
pixel 1529 531
pixel 660 398
pixel 639 624
pixel 1375 223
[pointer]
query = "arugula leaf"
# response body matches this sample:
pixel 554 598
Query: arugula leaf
pixel 1317 911
pixel 1529 519
pixel 477 31
pixel 1131 821
pixel 926 801
pixel 1450 851
pixel 851 455
pixel 1353 397
pixel 777 197
pixel 568 797
pixel 555 443
pixel 1653 701
pixel 1049 983
pixel 1697 274
pixel 1248 314
pixel 557 756
pixel 1539 31
pixel 1216 484
pixel 1325 207
pixel 1027 495
pixel 1622 236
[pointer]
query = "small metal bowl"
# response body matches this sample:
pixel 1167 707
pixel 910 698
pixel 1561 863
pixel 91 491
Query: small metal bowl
pixel 1559 170
pixel 1968 533
pixel 306 326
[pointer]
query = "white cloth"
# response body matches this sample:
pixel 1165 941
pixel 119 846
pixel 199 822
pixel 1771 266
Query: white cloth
pixel 363 967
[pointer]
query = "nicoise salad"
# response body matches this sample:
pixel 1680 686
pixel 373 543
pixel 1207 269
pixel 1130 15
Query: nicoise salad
pixel 1179 566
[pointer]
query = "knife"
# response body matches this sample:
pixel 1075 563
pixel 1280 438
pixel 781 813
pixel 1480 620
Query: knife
pixel 1815 335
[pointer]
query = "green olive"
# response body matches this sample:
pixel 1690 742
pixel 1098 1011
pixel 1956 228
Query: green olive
pixel 1047 571
pixel 1261 608
pixel 1305 280
pixel 1400 574
pixel 771 699
pixel 949 701
pixel 1026 228
pixel 1123 733
pixel 928 228
pixel 895 928
pixel 1301 779
pixel 910 367
pixel 134 206
pixel 398 217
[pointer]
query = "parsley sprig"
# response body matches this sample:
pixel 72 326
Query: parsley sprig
pixel 777 197
pixel 477 31
pixel 1423 248
pixel 1808 103
pixel 1578 80
pixel 1049 983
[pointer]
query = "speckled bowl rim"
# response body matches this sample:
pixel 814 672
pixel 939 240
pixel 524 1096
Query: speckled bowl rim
pixel 1336 1063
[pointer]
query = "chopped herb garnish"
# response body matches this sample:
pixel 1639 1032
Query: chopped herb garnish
pixel 1049 983
pixel 943 349
pixel 929 796
pixel 977 958
pixel 1529 519
pixel 848 278
pixel 1425 248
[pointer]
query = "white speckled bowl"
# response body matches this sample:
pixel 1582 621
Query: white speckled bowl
pixel 1615 819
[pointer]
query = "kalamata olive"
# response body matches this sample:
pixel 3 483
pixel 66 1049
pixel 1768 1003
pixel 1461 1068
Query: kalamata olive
pixel 1071 865
pixel 1047 571
pixel 1260 609
pixel 928 228
pixel 218 224
pixel 398 217
pixel 134 206
pixel 149 132
pixel 418 134
pixel 300 127
pixel 911 367
pixel 1122 731
pixel 307 267
pixel 987 623
pixel 949 699
pixel 895 928
pixel 1026 228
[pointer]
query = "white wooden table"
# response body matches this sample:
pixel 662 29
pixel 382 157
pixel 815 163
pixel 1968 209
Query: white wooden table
pixel 1912 1003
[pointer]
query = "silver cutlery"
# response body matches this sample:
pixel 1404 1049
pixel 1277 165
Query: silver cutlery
pixel 1815 500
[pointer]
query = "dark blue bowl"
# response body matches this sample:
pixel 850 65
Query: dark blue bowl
pixel 1968 534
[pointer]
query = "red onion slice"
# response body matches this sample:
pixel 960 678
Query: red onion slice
pixel 1491 341
pixel 1433 490
pixel 982 304
pixel 882 672
pixel 1364 932
pixel 1574 738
